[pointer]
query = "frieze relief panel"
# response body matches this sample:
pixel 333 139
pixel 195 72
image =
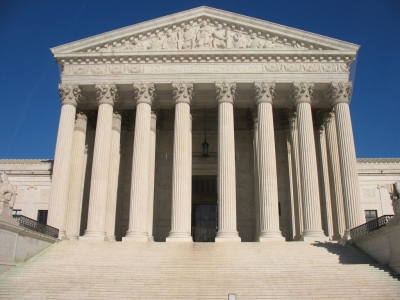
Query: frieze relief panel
pixel 204 33
pixel 126 68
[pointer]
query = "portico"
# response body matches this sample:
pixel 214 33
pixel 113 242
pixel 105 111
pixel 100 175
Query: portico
pixel 132 125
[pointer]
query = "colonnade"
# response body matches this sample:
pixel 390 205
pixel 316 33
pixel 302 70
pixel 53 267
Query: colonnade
pixel 337 148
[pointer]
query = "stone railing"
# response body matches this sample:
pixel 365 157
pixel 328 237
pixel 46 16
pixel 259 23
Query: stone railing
pixel 33 225
pixel 370 226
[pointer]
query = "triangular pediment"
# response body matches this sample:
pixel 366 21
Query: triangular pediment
pixel 200 29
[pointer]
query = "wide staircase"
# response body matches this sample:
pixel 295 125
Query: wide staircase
pixel 115 270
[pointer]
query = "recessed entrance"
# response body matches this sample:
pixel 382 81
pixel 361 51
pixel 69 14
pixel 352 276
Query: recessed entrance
pixel 204 208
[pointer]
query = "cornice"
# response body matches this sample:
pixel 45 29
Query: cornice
pixel 378 160
pixel 24 161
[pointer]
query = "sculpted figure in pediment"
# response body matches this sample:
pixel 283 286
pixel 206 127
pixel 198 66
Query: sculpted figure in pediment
pixel 157 42
pixel 171 42
pixel 136 44
pixel 254 42
pixel 188 37
pixel 204 36
pixel 219 41
pixel 239 40
pixel 273 44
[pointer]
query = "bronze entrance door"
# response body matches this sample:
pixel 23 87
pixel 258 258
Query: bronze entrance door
pixel 204 209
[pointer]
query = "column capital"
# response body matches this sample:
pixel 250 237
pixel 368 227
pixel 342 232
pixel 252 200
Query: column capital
pixel 301 92
pixel 225 92
pixel 81 121
pixel 106 93
pixel 264 92
pixel 144 93
pixel 339 92
pixel 182 92
pixel 70 94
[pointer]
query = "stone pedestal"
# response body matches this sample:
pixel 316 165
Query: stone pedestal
pixel 106 95
pixel 181 216
pixel 77 178
pixel 268 183
pixel 138 213
pixel 227 231
pixel 70 95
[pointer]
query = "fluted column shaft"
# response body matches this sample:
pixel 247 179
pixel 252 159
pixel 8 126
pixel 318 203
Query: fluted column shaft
pixel 227 230
pixel 326 181
pixel 77 174
pixel 339 224
pixel 256 179
pixel 96 230
pixel 152 159
pixel 70 95
pixel 113 176
pixel 138 213
pixel 182 166
pixel 296 175
pixel 302 94
pixel 348 167
pixel 268 182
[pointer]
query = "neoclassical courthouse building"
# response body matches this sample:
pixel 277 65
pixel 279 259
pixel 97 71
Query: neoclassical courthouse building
pixel 205 126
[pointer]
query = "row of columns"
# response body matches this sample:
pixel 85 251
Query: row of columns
pixel 67 188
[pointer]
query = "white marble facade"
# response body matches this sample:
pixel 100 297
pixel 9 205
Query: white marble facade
pixel 278 127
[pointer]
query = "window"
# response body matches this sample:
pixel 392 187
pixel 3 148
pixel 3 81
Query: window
pixel 16 212
pixel 42 216
pixel 370 215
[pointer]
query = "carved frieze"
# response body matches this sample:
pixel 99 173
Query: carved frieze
pixel 127 68
pixel 204 34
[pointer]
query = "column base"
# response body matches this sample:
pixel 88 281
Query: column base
pixel 150 239
pixel 179 240
pixel 93 238
pixel 227 237
pixel 313 236
pixel 137 239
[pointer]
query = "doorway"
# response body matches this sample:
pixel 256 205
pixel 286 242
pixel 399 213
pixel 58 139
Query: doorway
pixel 204 208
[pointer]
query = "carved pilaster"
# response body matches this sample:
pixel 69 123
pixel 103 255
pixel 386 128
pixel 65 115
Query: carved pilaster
pixel 225 92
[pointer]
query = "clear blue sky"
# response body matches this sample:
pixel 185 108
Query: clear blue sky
pixel 29 76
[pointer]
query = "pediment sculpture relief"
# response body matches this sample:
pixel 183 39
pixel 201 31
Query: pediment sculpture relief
pixel 204 35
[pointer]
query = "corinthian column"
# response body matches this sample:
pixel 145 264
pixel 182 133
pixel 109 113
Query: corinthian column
pixel 77 179
pixel 227 231
pixel 254 114
pixel 301 93
pixel 70 95
pixel 152 160
pixel 138 212
pixel 268 183
pixel 296 174
pixel 339 94
pixel 106 95
pixel 113 176
pixel 182 165
pixel 339 224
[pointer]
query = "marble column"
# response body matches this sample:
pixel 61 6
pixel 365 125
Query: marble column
pixel 152 160
pixel 339 94
pixel 96 230
pixel 182 166
pixel 301 93
pixel 139 200
pixel 256 180
pixel 339 224
pixel 70 95
pixel 113 176
pixel 268 182
pixel 77 178
pixel 294 141
pixel 325 178
pixel 227 231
